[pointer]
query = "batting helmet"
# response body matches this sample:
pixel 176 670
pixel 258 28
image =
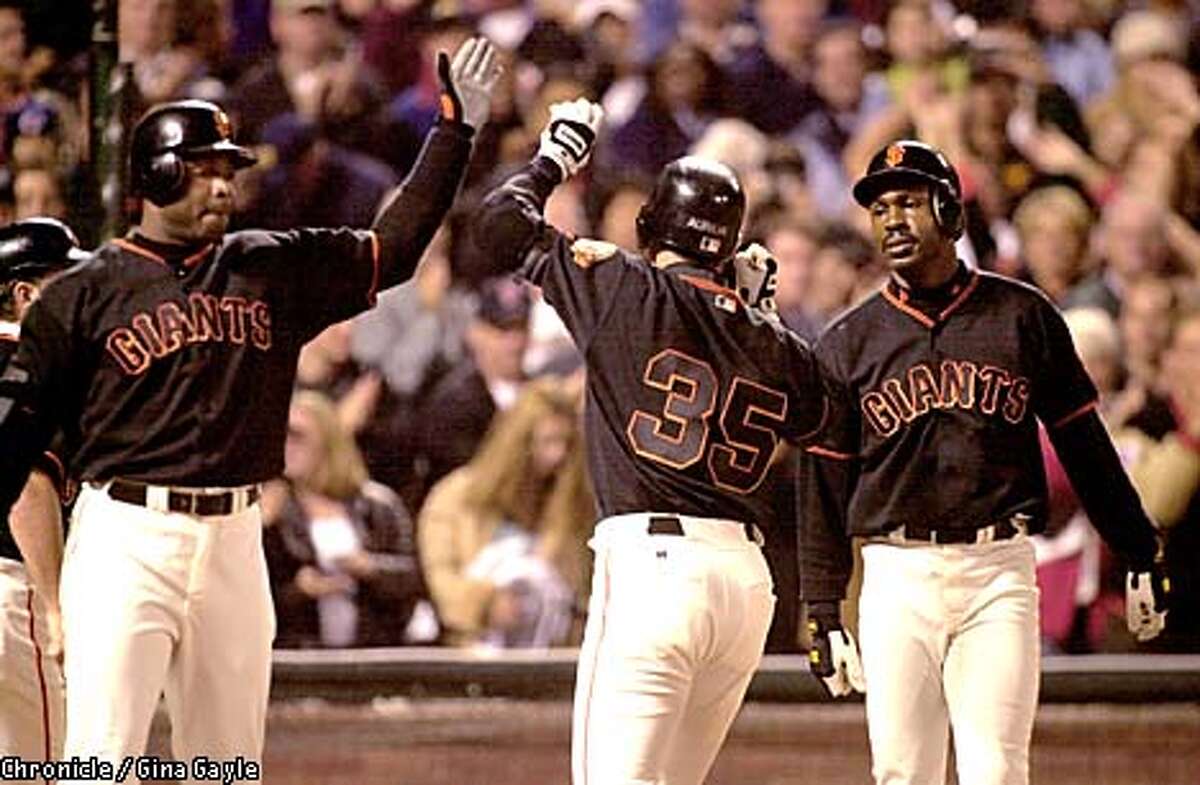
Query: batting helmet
pixel 696 208
pixel 908 162
pixel 34 247
pixel 167 136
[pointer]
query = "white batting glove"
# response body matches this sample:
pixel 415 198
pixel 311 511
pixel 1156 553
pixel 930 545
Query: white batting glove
pixel 467 82
pixel 756 277
pixel 1146 602
pixel 569 137
pixel 833 657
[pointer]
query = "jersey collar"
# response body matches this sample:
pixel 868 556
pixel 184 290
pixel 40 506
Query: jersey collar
pixel 932 309
pixel 187 257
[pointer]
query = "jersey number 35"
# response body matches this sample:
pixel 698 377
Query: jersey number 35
pixel 751 415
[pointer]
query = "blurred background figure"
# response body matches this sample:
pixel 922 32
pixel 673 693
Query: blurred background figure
pixel 341 549
pixel 457 412
pixel 502 539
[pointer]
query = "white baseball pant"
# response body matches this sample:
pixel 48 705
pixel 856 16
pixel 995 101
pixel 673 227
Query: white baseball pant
pixel 156 601
pixel 31 681
pixel 676 628
pixel 949 637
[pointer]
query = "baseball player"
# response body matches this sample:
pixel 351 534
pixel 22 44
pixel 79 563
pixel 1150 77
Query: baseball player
pixel 31 538
pixel 940 378
pixel 169 362
pixel 690 390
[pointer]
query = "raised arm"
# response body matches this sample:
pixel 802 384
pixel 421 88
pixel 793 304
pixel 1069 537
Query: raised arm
pixel 510 221
pixel 413 212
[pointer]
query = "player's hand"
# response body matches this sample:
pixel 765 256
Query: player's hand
pixel 468 81
pixel 833 657
pixel 756 276
pixel 1146 601
pixel 569 137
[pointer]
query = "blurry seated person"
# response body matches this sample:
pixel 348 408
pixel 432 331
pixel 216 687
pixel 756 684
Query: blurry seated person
pixel 340 547
pixel 502 538
pixel 458 410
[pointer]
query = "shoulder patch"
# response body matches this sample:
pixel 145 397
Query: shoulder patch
pixel 587 253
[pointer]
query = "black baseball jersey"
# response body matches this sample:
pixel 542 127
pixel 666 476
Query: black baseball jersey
pixel 175 366
pixel 688 392
pixel 180 372
pixel 49 463
pixel 936 415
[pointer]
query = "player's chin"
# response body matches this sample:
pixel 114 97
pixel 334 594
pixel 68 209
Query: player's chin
pixel 213 224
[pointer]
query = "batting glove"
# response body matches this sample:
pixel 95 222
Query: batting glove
pixel 569 137
pixel 756 276
pixel 834 654
pixel 467 82
pixel 1146 601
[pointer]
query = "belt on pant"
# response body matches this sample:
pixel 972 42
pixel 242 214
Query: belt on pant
pixel 670 525
pixel 183 500
pixel 1001 530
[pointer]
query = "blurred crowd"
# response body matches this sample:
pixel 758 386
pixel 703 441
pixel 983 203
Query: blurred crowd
pixel 435 488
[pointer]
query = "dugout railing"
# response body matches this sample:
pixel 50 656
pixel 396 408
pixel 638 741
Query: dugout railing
pixel 365 674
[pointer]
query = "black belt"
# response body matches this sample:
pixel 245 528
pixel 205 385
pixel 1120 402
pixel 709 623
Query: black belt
pixel 1001 530
pixel 669 524
pixel 189 502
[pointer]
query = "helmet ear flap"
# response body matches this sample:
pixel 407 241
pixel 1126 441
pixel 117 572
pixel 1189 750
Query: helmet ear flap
pixel 947 211
pixel 165 178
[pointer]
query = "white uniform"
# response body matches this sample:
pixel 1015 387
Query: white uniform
pixel 676 627
pixel 190 598
pixel 949 637
pixel 31 681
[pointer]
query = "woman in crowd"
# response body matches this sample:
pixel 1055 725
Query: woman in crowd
pixel 502 538
pixel 340 547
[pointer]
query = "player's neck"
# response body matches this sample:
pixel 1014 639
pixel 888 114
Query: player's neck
pixel 934 274
pixel 667 258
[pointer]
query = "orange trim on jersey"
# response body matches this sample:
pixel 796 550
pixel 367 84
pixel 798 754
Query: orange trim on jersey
pixel 195 258
pixel 825 452
pixel 710 286
pixel 1075 415
pixel 375 272
pixel 37 656
pixel 900 303
pixel 9 338
pixel 970 287
pixel 121 242
pixel 906 308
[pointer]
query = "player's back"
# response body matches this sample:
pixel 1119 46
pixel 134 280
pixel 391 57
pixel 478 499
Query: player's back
pixel 689 391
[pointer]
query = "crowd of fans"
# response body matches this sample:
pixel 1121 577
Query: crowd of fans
pixel 434 488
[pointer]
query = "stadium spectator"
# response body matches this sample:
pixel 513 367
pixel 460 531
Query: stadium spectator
pixel 458 411
pixel 772 80
pixel 340 548
pixel 502 538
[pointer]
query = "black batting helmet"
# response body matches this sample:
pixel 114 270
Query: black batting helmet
pixel 35 247
pixel 696 208
pixel 167 136
pixel 906 162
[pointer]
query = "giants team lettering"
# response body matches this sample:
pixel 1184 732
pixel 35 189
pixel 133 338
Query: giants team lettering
pixel 956 384
pixel 171 326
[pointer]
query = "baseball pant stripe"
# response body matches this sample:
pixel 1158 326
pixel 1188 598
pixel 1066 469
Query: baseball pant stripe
pixel 589 660
pixel 41 674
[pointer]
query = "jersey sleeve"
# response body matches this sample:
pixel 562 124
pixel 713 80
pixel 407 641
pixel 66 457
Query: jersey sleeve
pixel 1062 390
pixel 825 481
pixel 329 275
pixel 582 283
pixel 810 392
